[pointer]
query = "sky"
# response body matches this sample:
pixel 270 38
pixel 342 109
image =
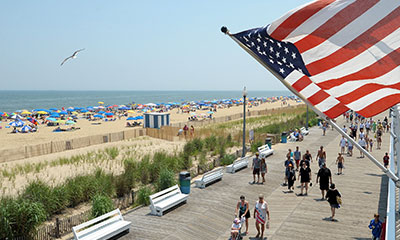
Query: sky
pixel 133 45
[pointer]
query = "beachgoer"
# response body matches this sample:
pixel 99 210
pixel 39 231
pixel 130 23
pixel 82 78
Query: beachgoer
pixel 260 214
pixel 321 156
pixel 379 138
pixel 297 157
pixel 349 148
pixel 287 162
pixel 376 226
pixel 332 197
pixel 263 169
pixel 340 162
pixel 325 177
pixel 185 130
pixel 324 126
pixel 180 131
pixel 256 168
pixel 374 126
pixel 235 228
pixel 243 209
pixel 291 178
pixel 304 177
pixel 342 145
pixel 307 158
pixel 386 160
pixel 191 131
pixel 363 144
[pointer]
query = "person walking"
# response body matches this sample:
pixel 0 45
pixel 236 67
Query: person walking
pixel 287 162
pixel 260 214
pixel 334 198
pixel 376 226
pixel 256 168
pixel 291 178
pixel 304 177
pixel 386 160
pixel 379 137
pixel 243 209
pixel 340 163
pixel 264 169
pixel 363 144
pixel 297 157
pixel 325 177
pixel 307 158
pixel 350 148
pixel 321 156
pixel 342 145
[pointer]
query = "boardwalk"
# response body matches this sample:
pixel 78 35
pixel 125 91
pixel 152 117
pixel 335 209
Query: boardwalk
pixel 209 212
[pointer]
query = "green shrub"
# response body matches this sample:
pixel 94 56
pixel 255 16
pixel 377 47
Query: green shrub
pixel 20 218
pixel 79 189
pixel 255 145
pixel 122 185
pixel 104 183
pixel 40 192
pixel 101 204
pixel 227 159
pixel 165 180
pixel 229 141
pixel 189 149
pixel 61 195
pixel 210 143
pixel 203 162
pixel 131 172
pixel 145 169
pixel 112 152
pixel 197 145
pixel 143 196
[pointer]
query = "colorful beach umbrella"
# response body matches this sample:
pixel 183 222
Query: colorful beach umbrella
pixel 69 122
pixel 26 128
pixel 16 124
pixel 131 118
pixel 42 112
pixel 100 102
pixel 51 119
pixel 98 116
pixel 109 114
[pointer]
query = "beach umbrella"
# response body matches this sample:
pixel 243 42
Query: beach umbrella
pixel 101 112
pixel 51 119
pixel 16 124
pixel 109 114
pixel 210 112
pixel 42 112
pixel 63 112
pixel 139 117
pixel 26 113
pixel 69 122
pixel 53 109
pixel 100 102
pixel 16 116
pixel 98 116
pixel 131 118
pixel 130 111
pixel 84 111
pixel 26 128
pixel 55 115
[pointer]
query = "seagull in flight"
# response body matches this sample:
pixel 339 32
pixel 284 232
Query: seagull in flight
pixel 72 56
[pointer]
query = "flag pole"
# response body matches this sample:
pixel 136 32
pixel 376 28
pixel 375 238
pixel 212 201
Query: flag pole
pixel 387 171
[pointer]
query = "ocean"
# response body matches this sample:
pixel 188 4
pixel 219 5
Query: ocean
pixel 11 101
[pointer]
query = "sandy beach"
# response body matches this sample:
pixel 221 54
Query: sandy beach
pixel 45 134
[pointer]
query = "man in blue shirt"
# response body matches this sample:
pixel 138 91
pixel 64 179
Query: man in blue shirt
pixel 376 226
pixel 297 156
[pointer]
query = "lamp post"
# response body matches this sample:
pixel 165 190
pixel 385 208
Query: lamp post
pixel 244 122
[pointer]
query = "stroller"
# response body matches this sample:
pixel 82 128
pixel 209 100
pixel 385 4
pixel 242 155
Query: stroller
pixel 238 225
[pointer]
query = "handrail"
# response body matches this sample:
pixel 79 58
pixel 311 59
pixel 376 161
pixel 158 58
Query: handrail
pixel 391 200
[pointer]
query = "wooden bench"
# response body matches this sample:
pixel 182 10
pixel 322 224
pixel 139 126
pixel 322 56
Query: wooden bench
pixel 210 177
pixel 103 227
pixel 166 199
pixel 265 151
pixel 238 164
pixel 304 131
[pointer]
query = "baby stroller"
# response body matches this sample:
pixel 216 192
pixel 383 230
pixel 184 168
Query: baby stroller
pixel 237 224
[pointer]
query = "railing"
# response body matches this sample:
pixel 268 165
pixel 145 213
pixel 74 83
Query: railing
pixel 391 200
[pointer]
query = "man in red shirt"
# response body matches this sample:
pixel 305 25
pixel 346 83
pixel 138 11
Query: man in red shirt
pixel 386 160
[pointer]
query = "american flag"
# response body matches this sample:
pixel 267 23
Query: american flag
pixel 339 55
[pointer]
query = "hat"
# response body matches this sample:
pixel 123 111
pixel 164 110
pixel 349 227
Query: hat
pixel 257 154
pixel 237 221
pixel 260 196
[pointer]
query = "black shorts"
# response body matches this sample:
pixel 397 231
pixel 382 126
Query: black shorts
pixel 256 171
pixel 340 165
pixel 324 186
pixel 246 216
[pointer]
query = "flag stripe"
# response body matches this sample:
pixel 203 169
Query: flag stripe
pixel 297 18
pixel 383 66
pixel 380 105
pixel 369 99
pixel 364 90
pixel 336 111
pixel 352 88
pixel 333 25
pixel 302 83
pixel 315 21
pixel 355 38
pixel 368 57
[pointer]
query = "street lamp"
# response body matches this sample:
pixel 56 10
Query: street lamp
pixel 244 121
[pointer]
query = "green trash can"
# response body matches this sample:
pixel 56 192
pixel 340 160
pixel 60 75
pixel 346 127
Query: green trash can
pixel 268 141
pixel 184 182
pixel 284 137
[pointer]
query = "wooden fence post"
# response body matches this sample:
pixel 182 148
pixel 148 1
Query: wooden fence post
pixel 58 228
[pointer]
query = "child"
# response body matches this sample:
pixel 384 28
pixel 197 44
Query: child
pixel 235 228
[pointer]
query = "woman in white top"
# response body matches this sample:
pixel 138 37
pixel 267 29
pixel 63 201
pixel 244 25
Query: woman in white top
pixel 260 214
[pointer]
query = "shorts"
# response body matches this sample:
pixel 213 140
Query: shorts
pixel 335 205
pixel 297 161
pixel 350 148
pixel 340 165
pixel 247 216
pixel 256 171
pixel 324 186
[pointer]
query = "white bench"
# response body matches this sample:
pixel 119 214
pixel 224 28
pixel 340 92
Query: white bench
pixel 166 199
pixel 210 177
pixel 292 138
pixel 265 151
pixel 304 131
pixel 103 227
pixel 238 164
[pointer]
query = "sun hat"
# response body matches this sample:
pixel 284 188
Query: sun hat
pixel 237 221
